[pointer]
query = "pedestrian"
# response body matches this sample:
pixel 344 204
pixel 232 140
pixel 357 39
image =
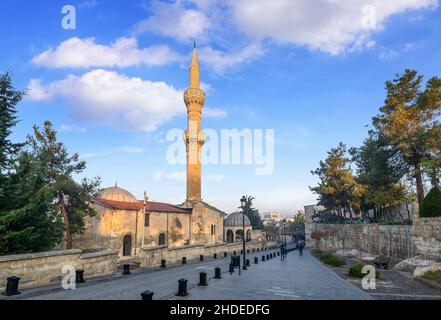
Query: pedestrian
pixel 282 257
pixel 300 246
pixel 285 252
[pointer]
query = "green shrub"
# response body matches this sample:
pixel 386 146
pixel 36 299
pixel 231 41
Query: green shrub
pixel 434 276
pixel 355 271
pixel 431 206
pixel 328 258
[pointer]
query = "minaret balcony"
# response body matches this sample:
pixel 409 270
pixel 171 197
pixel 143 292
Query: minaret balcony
pixel 193 137
pixel 194 95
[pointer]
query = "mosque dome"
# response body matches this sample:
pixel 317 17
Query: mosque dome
pixel 117 194
pixel 235 220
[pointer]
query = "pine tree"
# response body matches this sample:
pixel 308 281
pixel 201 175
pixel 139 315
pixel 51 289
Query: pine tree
pixel 70 198
pixel 408 121
pixel 25 224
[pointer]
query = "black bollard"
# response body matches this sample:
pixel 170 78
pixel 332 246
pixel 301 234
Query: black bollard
pixel 163 263
pixel 247 262
pixel 184 260
pixel 12 286
pixel 263 258
pixel 182 288
pixel 203 279
pixel 248 250
pixel 278 253
pixel 225 254
pixel 147 295
pixel 256 260
pixel 126 269
pixel 234 253
pixel 215 256
pixel 258 249
pixel 201 257
pixel 241 251
pixel 271 255
pixel 217 273
pixel 231 268
pixel 79 276
pixel 267 257
pixel 254 249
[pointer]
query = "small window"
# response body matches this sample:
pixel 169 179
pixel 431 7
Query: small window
pixel 147 220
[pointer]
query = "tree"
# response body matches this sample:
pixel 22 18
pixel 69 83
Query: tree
pixel 253 214
pixel 337 187
pixel 431 206
pixel 25 222
pixel 70 199
pixel 9 98
pixel 297 225
pixel 408 121
pixel 379 171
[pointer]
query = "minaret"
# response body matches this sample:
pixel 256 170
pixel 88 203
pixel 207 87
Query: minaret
pixel 194 99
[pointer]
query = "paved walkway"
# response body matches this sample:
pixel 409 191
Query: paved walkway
pixel 296 278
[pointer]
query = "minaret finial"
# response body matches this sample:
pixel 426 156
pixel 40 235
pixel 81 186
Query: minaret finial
pixel 194 44
pixel 116 183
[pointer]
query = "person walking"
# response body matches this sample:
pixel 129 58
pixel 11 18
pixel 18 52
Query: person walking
pixel 300 246
pixel 282 257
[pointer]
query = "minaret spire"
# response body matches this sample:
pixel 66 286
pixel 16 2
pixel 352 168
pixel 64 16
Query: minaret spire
pixel 194 70
pixel 194 99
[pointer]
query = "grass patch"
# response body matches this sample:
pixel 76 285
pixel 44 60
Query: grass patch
pixel 434 276
pixel 356 271
pixel 328 258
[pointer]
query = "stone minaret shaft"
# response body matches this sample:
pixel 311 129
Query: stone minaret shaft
pixel 194 99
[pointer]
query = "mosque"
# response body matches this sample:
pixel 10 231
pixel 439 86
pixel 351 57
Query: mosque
pixel 127 224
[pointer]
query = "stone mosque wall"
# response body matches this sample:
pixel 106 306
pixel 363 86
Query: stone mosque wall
pixel 397 241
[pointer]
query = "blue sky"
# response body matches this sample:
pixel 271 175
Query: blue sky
pixel 310 70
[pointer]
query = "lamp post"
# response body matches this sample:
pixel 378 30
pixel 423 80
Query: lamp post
pixel 243 205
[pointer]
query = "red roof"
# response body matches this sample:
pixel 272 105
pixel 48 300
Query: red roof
pixel 150 206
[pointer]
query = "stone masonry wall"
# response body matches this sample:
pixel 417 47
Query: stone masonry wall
pixel 152 256
pixel 46 267
pixel 397 241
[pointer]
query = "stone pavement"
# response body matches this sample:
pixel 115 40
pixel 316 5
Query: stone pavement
pixel 297 278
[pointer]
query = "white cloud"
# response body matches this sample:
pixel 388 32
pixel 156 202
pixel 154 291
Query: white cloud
pixel 332 26
pixel 109 98
pixel 88 4
pixel 170 177
pixel 71 128
pixel 86 53
pixel 214 113
pixel 176 21
pixel 220 61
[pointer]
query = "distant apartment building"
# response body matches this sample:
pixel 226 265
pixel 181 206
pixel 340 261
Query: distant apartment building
pixel 271 217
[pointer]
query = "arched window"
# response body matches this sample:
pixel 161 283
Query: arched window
pixel 248 235
pixel 239 235
pixel 161 239
pixel 213 229
pixel 230 236
pixel 127 245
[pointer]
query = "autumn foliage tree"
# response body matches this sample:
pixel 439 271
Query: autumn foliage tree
pixel 408 122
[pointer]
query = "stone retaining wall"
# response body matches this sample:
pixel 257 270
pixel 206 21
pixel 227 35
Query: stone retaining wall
pixel 152 256
pixel 46 267
pixel 397 241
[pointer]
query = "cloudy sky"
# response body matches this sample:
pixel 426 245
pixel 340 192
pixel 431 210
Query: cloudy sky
pixel 311 70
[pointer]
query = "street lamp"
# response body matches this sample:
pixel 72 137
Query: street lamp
pixel 243 205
